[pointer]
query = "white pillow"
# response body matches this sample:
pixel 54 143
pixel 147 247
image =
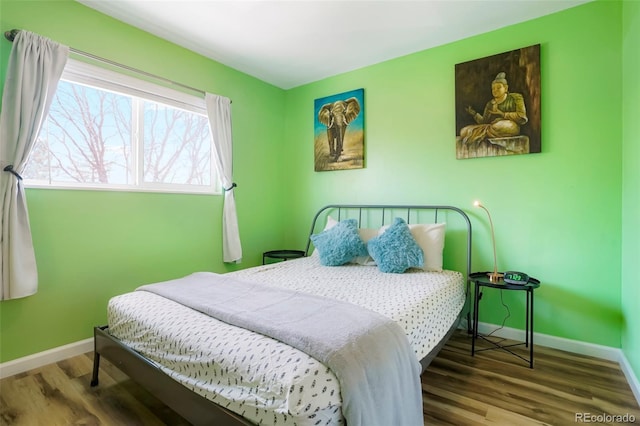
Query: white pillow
pixel 366 234
pixel 331 222
pixel 430 238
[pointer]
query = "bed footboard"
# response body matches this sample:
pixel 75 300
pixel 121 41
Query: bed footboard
pixel 193 407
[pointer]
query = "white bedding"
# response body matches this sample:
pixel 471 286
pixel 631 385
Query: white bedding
pixel 265 380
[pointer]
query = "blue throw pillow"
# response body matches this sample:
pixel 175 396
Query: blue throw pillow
pixel 396 250
pixel 340 244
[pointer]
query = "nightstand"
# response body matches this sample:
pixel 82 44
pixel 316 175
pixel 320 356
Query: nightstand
pixel 481 281
pixel 282 254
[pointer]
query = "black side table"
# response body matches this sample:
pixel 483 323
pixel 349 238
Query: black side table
pixel 282 254
pixel 481 279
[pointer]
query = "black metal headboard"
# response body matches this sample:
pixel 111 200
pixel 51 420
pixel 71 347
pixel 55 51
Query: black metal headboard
pixel 381 214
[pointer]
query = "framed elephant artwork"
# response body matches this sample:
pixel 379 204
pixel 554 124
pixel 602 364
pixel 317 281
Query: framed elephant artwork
pixel 339 131
pixel 498 104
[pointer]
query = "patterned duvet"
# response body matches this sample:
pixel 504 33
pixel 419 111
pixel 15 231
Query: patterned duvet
pixel 262 379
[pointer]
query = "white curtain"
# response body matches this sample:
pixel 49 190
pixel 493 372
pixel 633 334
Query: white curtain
pixel 34 69
pixel 219 112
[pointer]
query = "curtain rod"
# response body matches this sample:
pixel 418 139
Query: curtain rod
pixel 11 35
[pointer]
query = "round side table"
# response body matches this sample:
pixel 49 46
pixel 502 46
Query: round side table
pixel 481 279
pixel 282 255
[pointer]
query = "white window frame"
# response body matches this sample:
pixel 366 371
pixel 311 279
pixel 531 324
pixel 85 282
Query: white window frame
pixel 83 73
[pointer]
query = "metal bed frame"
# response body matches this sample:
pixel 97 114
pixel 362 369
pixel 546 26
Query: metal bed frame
pixel 200 411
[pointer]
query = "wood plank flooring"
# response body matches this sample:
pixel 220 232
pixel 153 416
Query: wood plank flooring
pixel 493 387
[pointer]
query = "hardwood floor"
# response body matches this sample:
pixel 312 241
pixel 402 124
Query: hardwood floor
pixel 493 387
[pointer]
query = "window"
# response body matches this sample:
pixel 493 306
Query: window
pixel 106 130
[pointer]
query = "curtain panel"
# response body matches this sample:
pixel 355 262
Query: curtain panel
pixel 35 66
pixel 219 113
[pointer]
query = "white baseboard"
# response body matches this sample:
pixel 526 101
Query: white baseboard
pixel 631 377
pixel 50 356
pixel 574 346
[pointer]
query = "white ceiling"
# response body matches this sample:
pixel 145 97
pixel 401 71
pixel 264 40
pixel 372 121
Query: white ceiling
pixel 290 43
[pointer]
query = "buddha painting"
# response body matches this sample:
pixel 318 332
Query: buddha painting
pixel 509 122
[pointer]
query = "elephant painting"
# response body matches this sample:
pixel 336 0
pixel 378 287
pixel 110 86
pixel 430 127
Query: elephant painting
pixel 337 116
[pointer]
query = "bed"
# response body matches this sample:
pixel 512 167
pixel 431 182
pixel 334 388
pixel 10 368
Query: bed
pixel 241 377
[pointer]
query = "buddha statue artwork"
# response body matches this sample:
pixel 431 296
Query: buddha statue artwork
pixel 508 122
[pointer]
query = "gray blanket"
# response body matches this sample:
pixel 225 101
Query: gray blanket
pixel 370 355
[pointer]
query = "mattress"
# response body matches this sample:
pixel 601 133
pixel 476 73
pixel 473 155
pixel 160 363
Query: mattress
pixel 262 379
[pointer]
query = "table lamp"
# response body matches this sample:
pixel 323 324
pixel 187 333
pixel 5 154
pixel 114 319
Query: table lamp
pixel 493 276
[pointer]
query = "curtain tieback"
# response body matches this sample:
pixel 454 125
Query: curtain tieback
pixel 10 169
pixel 233 185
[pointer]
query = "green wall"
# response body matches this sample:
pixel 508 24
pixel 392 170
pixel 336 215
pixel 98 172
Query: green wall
pixel 560 215
pixel 557 214
pixel 91 245
pixel 631 184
